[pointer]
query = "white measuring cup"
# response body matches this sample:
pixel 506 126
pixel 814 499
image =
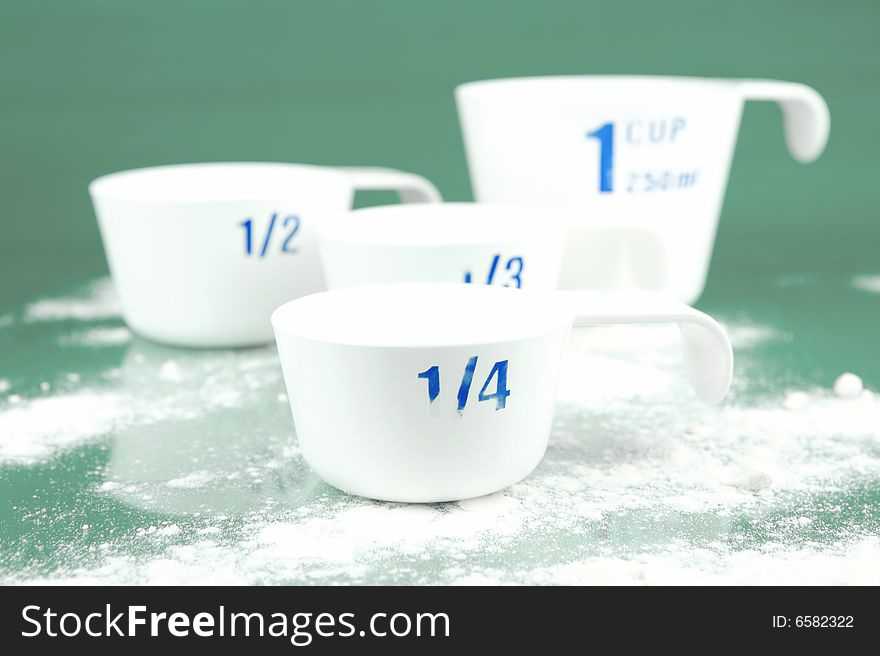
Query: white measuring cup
pixel 201 254
pixel 652 150
pixel 508 245
pixel 438 392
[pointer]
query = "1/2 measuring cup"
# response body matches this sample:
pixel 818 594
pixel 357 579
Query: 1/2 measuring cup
pixel 655 150
pixel 507 245
pixel 438 392
pixel 201 254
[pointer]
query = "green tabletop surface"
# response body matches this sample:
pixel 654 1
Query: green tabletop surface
pixel 122 461
pixel 128 462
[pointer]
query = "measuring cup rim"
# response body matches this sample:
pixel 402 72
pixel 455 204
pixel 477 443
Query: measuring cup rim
pixel 519 315
pixel 566 84
pixel 133 185
pixel 455 224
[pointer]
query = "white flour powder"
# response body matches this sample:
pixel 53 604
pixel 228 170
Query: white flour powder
pixel 141 392
pixel 34 429
pixel 867 283
pixel 641 483
pixel 97 337
pixel 96 301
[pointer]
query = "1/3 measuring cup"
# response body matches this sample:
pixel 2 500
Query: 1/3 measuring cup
pixel 201 254
pixel 655 150
pixel 438 392
pixel 508 245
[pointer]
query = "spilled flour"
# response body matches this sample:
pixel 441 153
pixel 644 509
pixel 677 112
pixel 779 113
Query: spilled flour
pixel 198 479
pixel 141 392
pixel 95 301
pixel 98 337
pixel 191 480
pixel 35 429
pixel 867 283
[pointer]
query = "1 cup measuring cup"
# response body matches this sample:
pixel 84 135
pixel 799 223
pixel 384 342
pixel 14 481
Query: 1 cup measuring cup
pixel 438 392
pixel 655 150
pixel 482 243
pixel 201 254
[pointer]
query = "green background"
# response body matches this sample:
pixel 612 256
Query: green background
pixel 89 87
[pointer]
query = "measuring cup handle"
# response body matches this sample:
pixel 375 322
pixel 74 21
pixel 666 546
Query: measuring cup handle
pixel 804 111
pixel 708 355
pixel 410 187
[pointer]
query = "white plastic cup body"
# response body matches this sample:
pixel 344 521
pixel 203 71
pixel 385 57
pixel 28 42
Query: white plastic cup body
pixel 363 409
pixel 201 254
pixel 630 150
pixel 508 246
pixel 437 392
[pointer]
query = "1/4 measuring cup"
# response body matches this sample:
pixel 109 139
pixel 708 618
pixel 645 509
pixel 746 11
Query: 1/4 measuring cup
pixel 654 150
pixel 507 245
pixel 201 254
pixel 438 392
